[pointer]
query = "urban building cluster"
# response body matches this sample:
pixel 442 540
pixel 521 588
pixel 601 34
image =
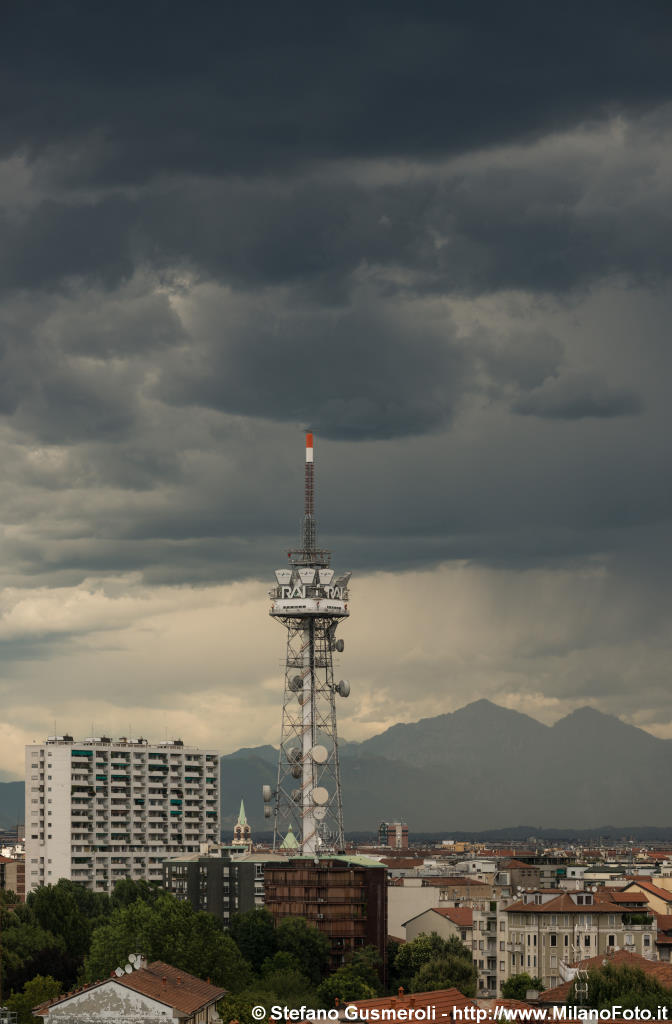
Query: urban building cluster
pixel 533 911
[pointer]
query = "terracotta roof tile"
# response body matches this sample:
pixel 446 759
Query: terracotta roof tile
pixel 159 981
pixel 563 904
pixel 654 890
pixel 445 1000
pixel 463 917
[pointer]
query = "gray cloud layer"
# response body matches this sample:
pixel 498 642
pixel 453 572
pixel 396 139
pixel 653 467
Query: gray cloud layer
pixel 439 237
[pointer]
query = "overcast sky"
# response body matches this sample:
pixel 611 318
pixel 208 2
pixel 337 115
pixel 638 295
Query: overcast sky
pixel 437 234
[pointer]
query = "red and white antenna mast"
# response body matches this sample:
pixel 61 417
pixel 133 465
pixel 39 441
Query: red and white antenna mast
pixel 310 603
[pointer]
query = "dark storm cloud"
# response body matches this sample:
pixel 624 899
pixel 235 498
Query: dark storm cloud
pixel 577 396
pixel 132 90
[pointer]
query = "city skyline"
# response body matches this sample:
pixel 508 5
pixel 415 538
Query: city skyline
pixel 437 237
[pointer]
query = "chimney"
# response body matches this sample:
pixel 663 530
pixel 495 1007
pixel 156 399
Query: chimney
pixel 163 981
pixel 400 993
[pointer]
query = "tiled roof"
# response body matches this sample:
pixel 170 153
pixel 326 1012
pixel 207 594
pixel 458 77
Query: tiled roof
pixel 654 890
pixel 628 897
pixel 662 972
pixel 402 863
pixel 514 864
pixel 445 1000
pixel 463 917
pixel 166 984
pixel 446 881
pixel 562 905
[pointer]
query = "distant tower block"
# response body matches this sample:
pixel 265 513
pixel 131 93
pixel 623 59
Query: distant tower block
pixel 310 603
pixel 394 834
pixel 242 834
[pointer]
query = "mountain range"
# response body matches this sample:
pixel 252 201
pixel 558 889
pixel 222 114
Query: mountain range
pixel 481 767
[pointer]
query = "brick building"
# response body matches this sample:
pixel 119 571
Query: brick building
pixel 344 897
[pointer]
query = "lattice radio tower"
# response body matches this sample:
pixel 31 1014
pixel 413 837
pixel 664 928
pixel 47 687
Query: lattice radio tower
pixel 309 603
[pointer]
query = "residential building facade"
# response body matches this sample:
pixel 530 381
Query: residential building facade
pixel 544 931
pixel 342 896
pixel 99 810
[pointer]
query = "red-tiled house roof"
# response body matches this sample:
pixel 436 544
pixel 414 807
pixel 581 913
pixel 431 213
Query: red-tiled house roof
pixel 445 1000
pixel 159 981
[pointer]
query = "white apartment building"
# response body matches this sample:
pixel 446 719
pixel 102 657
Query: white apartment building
pixel 99 810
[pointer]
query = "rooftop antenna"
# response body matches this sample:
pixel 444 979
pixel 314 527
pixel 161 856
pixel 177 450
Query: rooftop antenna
pixel 309 603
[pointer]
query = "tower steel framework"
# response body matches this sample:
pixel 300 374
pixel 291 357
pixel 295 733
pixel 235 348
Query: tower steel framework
pixel 309 602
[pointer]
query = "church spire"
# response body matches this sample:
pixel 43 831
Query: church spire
pixel 242 833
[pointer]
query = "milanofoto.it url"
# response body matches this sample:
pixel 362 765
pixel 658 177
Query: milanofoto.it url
pixel 472 1014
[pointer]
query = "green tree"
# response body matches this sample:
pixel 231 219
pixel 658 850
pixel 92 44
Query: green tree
pixel 309 946
pixel 254 934
pixel 413 955
pixel 343 984
pixel 446 972
pixel 366 964
pixel 35 991
pixel 239 1006
pixel 282 974
pixel 625 986
pixel 128 890
pixel 168 930
pixel 519 985
pixel 28 950
pixel 70 911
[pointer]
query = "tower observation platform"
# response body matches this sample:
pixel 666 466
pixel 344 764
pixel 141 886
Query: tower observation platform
pixel 310 601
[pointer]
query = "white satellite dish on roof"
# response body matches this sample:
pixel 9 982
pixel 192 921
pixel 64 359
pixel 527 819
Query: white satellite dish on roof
pixel 129 968
pixel 119 972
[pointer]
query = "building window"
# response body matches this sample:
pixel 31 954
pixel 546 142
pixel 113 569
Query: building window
pixel 647 941
pixel 553 940
pixel 586 940
pixel 612 920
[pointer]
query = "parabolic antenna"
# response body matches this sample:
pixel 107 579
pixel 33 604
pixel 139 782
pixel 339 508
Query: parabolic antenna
pixel 319 813
pixel 267 811
pixel 319 754
pixel 296 796
pixel 344 688
pixel 266 793
pixel 119 972
pixel 320 795
pixel 339 646
pixel 129 968
pixel 296 684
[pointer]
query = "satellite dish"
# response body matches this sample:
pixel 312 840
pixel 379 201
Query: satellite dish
pixel 344 688
pixel 319 813
pixel 296 683
pixel 267 811
pixel 293 754
pixel 266 793
pixel 319 754
pixel 297 771
pixel 296 796
pixel 119 972
pixel 339 646
pixel 129 968
pixel 320 795
pixel 132 958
